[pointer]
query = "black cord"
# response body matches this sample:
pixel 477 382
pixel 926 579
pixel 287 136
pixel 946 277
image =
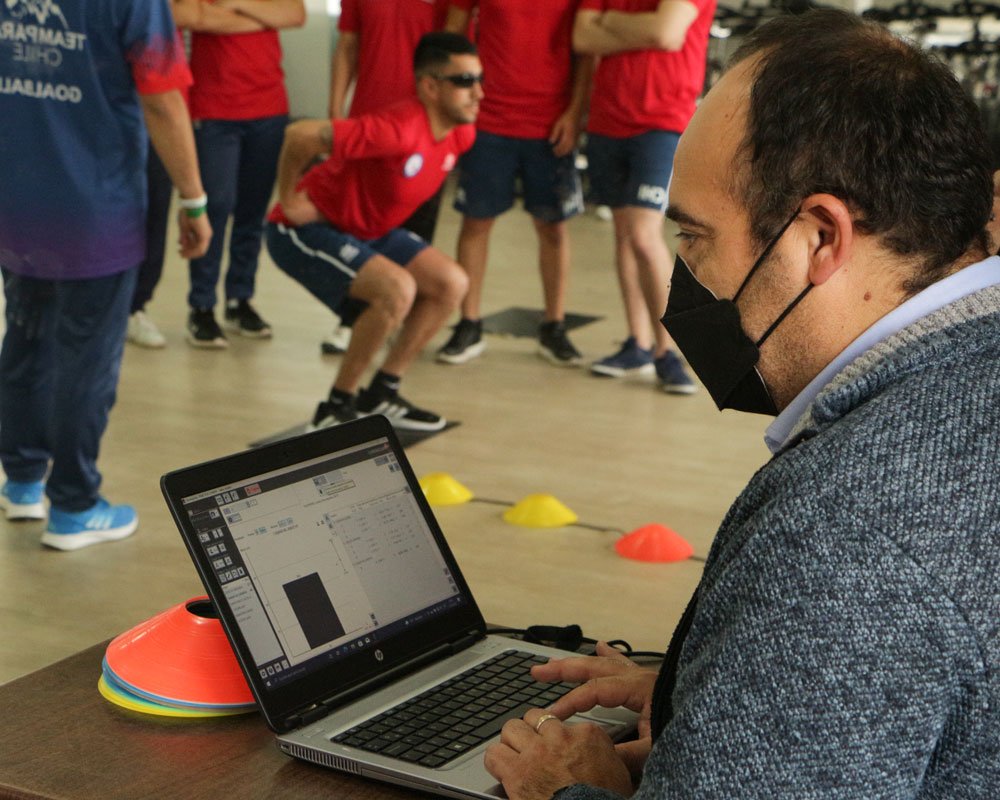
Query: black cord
pixel 571 638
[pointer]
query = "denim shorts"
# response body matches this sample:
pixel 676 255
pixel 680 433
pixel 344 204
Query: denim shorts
pixel 632 171
pixel 488 175
pixel 326 260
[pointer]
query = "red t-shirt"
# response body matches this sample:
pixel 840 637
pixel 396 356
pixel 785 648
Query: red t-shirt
pixel 382 169
pixel 388 32
pixel 643 90
pixel 237 76
pixel 526 50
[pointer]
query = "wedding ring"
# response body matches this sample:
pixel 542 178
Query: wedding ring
pixel 543 719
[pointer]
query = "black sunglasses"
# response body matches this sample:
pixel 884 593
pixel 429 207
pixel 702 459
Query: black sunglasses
pixel 463 80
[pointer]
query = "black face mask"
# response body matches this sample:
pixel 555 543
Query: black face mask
pixel 709 333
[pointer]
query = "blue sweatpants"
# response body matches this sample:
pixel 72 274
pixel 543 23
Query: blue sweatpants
pixel 59 368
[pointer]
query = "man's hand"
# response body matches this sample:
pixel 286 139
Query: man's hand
pixel 609 680
pixel 195 234
pixel 539 755
pixel 565 133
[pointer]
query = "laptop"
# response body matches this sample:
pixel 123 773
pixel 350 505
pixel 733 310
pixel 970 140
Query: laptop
pixel 348 612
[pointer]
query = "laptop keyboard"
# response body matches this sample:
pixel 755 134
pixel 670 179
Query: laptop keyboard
pixel 453 717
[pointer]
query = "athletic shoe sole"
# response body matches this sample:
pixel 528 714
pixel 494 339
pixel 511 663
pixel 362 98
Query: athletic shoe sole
pixel 403 424
pixel 208 344
pixel 235 327
pixel 548 355
pixel 22 511
pixel 469 353
pixel 681 388
pixel 74 541
pixel 606 371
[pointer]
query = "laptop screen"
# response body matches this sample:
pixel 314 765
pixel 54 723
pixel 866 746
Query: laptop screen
pixel 327 568
pixel 322 559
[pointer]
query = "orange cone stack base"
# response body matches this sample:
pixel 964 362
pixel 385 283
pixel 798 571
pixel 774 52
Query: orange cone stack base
pixel 654 543
pixel 180 658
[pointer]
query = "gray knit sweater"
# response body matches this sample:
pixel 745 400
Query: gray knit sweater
pixel 846 638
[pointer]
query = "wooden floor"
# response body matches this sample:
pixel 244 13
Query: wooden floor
pixel 619 453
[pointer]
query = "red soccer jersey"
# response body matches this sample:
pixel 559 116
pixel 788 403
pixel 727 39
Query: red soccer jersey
pixel 237 76
pixel 388 32
pixel 643 90
pixel 382 169
pixel 526 50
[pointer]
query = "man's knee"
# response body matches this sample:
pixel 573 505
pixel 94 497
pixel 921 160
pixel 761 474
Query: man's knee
pixel 552 234
pixel 386 287
pixel 473 227
pixel 645 232
pixel 439 277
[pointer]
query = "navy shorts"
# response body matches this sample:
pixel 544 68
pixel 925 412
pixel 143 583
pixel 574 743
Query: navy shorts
pixel 632 171
pixel 489 171
pixel 326 260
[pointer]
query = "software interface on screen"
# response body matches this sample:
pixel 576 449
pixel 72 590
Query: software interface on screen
pixel 323 558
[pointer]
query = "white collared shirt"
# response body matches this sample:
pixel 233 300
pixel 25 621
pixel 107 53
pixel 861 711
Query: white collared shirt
pixel 937 295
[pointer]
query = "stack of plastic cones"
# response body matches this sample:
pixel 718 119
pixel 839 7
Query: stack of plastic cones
pixel 178 664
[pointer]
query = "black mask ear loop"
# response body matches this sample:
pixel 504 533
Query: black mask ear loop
pixel 754 268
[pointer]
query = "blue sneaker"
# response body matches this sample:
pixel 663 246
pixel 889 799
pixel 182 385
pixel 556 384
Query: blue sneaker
pixel 103 522
pixel 630 360
pixel 673 377
pixel 23 500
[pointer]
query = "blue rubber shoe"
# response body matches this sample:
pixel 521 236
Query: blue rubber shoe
pixel 23 500
pixel 103 522
pixel 629 360
pixel 673 377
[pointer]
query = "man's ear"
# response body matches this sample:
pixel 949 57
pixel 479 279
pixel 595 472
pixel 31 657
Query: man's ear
pixel 830 235
pixel 427 87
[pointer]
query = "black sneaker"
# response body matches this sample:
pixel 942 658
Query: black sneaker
pixel 204 331
pixel 402 413
pixel 554 344
pixel 244 319
pixel 330 413
pixel 466 342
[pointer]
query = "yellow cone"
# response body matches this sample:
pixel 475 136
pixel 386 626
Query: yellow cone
pixel 540 511
pixel 441 489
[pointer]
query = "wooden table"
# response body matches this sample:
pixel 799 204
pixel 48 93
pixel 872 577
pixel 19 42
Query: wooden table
pixel 63 740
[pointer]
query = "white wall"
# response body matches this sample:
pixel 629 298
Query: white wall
pixel 308 51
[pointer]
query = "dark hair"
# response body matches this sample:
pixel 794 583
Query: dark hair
pixel 434 50
pixel 839 105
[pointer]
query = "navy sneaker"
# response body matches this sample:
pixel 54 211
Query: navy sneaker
pixel 554 344
pixel 23 500
pixel 673 377
pixel 402 414
pixel 102 522
pixel 630 360
pixel 466 342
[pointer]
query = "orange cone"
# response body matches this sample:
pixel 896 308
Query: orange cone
pixel 654 543
pixel 180 657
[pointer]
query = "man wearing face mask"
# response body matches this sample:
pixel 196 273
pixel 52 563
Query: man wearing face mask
pixel 833 192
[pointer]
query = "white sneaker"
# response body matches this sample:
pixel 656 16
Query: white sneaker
pixel 337 341
pixel 143 331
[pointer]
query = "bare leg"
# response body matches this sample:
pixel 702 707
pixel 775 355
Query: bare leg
pixel 389 291
pixel 441 284
pixel 473 248
pixel 645 231
pixel 553 263
pixel 636 312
